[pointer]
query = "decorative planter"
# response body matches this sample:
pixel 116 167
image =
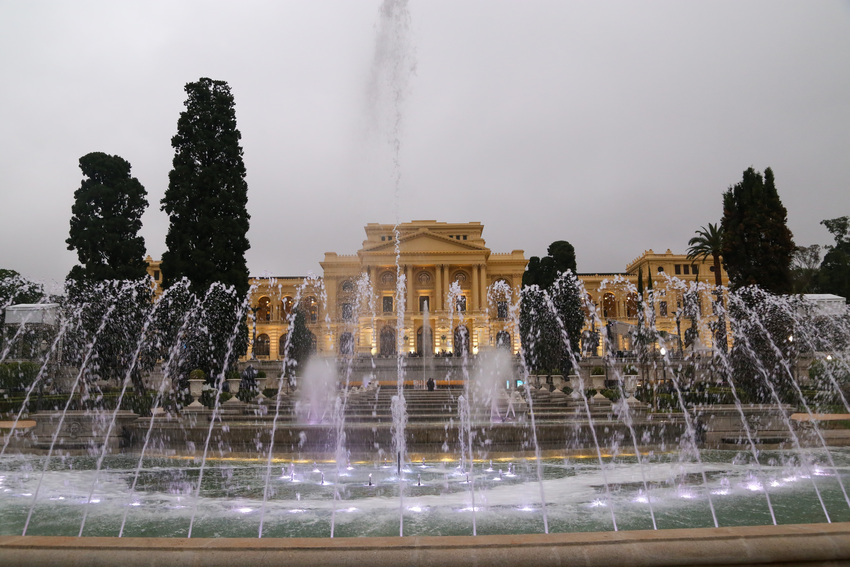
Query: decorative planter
pixel 597 382
pixel 196 386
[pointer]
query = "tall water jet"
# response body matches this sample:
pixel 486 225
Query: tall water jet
pixel 317 391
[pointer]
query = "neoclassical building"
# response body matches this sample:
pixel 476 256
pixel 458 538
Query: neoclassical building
pixel 459 295
pixel 455 294
pixel 681 294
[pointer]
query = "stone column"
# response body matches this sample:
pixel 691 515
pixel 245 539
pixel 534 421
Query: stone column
pixel 475 290
pixel 483 280
pixel 438 288
pixel 408 270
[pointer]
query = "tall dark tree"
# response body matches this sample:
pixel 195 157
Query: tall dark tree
pixel 207 194
pixel 561 257
pixel 834 274
pixel 300 340
pixel 552 293
pixel 207 237
pixel 108 293
pixel 105 221
pixel 757 244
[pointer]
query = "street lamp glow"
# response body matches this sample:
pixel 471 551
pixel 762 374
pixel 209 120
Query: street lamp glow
pixel 663 351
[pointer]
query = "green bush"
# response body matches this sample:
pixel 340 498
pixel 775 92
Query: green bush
pixel 17 376
pixel 270 393
pixel 597 371
pixel 630 370
pixel 567 390
pixel 612 395
pixel 208 398
pixel 197 374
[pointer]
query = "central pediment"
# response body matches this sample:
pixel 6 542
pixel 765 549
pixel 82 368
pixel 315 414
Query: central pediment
pixel 424 241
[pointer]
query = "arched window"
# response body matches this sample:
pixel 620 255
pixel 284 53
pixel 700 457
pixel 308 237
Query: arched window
pixel 609 306
pixel 387 342
pixel 262 345
pixel 503 340
pixel 286 305
pixel 424 341
pixel 461 340
pixel 312 309
pixel 632 305
pixel 502 309
pixel 347 312
pixel 264 312
pixel 347 286
pixel 587 306
pixel 346 344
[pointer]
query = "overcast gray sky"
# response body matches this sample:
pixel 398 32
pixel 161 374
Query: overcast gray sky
pixel 613 125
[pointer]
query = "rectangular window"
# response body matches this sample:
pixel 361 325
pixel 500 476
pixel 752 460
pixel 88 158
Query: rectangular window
pixel 695 269
pixel 687 269
pixel 662 308
pixel 502 310
pixel 347 312
pixel 388 304
pixel 678 268
pixel 461 303
pixel 424 302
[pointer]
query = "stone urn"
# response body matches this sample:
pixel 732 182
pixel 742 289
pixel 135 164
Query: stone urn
pixel 196 386
pixel 597 381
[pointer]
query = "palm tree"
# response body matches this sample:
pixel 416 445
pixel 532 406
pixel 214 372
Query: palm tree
pixel 707 243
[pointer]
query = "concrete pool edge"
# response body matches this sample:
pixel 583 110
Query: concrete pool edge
pixel 797 544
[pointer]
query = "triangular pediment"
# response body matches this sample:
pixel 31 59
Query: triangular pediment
pixel 426 241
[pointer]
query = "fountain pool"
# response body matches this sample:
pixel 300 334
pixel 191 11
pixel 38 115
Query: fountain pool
pixel 361 499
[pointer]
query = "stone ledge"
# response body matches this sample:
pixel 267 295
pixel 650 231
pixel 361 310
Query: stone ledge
pixel 802 544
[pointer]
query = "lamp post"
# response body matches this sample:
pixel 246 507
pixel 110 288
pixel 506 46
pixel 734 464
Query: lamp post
pixel 254 336
pixel 678 315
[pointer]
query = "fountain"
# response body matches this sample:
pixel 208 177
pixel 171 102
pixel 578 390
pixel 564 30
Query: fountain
pixel 502 471
pixel 487 460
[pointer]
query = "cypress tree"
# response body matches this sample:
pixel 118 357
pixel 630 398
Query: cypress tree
pixel 207 194
pixel 757 245
pixel 109 291
pixel 105 221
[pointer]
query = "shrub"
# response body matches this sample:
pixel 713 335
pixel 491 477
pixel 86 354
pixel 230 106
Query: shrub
pixel 208 398
pixel 17 376
pixel 630 370
pixel 597 371
pixel 612 395
pixel 197 374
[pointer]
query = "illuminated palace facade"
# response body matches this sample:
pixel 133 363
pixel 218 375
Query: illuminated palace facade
pixel 458 296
